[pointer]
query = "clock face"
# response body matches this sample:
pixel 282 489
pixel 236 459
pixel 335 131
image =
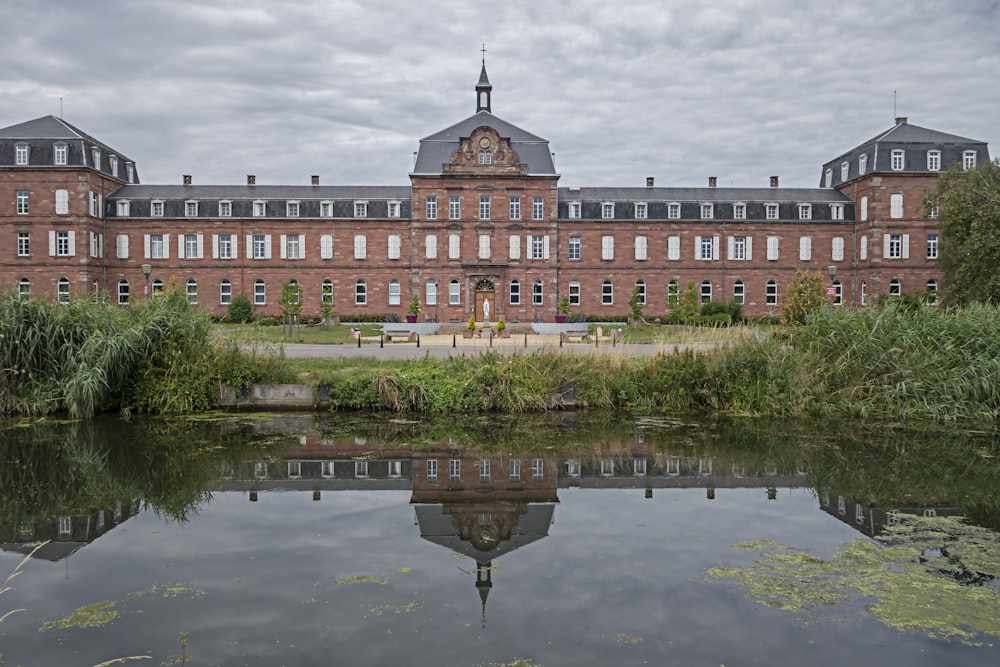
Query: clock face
pixel 484 142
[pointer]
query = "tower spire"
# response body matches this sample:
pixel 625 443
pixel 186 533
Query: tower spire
pixel 484 89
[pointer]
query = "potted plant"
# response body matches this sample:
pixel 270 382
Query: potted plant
pixel 471 328
pixel 413 309
pixel 562 309
pixel 502 328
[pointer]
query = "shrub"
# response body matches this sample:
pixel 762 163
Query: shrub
pixel 240 310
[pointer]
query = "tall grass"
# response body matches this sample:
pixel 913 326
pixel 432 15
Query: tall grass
pixel 84 357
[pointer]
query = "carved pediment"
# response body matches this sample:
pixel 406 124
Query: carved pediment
pixel 485 151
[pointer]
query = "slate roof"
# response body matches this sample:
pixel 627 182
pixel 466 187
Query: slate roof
pixel 915 140
pixel 50 127
pixel 436 149
pixel 255 192
pixel 707 195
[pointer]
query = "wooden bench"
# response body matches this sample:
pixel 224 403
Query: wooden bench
pixel 582 335
pixel 399 333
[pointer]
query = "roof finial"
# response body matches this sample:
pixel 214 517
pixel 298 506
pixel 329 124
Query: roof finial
pixel 483 88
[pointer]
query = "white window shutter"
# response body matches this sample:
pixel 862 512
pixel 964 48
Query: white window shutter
pixel 122 246
pixel 730 247
pixel 62 202
pixel 234 245
pixel 515 247
pixel 166 246
pixel 180 246
pixel 326 246
pixel 749 248
pixel 215 246
pixel 838 249
pixel 267 246
pixel 431 246
pixel 100 246
pixel 545 247
pixel 201 245
pixel 715 247
pixel 885 245
pixel 52 244
pixel 697 247
pixel 249 245
pixel 282 240
pixel 145 245
pixel 674 247
pixel 906 246
pixel 302 246
pixel 72 244
pixel 864 247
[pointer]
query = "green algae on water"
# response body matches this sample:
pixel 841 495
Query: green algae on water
pixel 95 615
pixel 934 575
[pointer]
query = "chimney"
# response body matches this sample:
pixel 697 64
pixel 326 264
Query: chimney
pixel 901 120
pixel 251 179
pixel 774 181
pixel 649 181
pixel 315 179
pixel 186 179
pixel 712 181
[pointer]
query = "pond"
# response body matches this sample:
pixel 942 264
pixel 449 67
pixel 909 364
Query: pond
pixel 569 539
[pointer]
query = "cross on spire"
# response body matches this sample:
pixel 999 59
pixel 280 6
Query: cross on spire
pixel 483 50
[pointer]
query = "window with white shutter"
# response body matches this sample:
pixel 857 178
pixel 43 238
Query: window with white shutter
pixel 607 247
pixel 641 244
pixel 673 248
pixel 394 246
pixel 326 246
pixel 838 249
pixel 360 246
pixel 805 248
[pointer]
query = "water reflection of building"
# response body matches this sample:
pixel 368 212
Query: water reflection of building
pixel 66 534
pixel 483 506
pixel 872 519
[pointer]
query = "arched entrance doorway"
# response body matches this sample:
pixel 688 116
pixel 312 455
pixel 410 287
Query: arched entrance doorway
pixel 485 294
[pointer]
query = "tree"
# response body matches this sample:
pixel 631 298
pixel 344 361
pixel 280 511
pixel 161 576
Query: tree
pixel 240 310
pixel 688 304
pixel 969 254
pixel 636 305
pixel 291 305
pixel 806 294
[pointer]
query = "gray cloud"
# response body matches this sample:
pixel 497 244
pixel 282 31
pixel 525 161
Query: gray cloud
pixel 678 90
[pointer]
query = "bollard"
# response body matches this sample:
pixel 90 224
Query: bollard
pixel 526 339
pixel 381 340
pixel 418 340
pixel 359 340
pixel 453 336
pixel 491 339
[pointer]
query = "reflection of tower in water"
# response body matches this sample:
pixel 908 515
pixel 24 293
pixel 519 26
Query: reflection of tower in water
pixel 484 516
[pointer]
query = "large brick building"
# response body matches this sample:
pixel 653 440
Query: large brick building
pixel 483 218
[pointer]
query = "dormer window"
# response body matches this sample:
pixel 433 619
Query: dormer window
pixel 123 208
pixel 113 163
pixel 640 211
pixel 394 209
pixel 360 209
pixel 828 178
pixel 845 171
pixel 292 209
pixel 326 209
pixel 862 164
pixel 156 209
pixel 21 154
pixel 968 160
pixel 60 153
pixel 95 155
pixel 259 209
pixel 674 211
pixel 485 157
pixel 607 210
pixel 574 209
pixel 225 209
pixel 933 160
pixel 191 209
pixel 805 211
pixel 771 211
pixel 836 211
pixel 898 160
pixel 739 211
pixel 707 212
pixel 129 172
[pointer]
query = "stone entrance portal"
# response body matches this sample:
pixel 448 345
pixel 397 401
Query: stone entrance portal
pixel 485 294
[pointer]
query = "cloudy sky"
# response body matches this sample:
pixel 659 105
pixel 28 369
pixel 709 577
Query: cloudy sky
pixel 738 89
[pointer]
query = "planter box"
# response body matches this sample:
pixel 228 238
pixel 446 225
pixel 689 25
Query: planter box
pixel 467 333
pixel 560 319
pixel 411 318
